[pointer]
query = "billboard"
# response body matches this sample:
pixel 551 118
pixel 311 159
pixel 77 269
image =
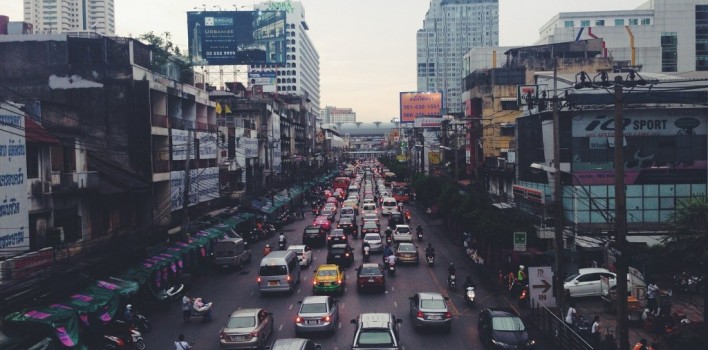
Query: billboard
pixel 236 37
pixel 207 145
pixel 203 186
pixel 180 141
pixel 660 147
pixel 14 230
pixel 418 104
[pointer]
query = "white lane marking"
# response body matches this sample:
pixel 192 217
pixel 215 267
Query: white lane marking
pixel 290 307
pixel 298 290
pixel 280 328
pixel 393 288
pixel 340 325
pixel 395 304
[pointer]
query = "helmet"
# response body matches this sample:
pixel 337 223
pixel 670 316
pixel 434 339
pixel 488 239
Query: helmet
pixel 452 265
pixel 430 245
pixel 521 267
pixel 129 307
pixel 267 246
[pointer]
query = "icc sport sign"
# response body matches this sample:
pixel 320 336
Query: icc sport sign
pixel 419 104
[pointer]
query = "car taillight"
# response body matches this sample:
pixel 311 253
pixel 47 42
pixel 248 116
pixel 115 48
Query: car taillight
pixel 253 334
pixel 298 319
pixel 258 279
pixel 420 314
pixel 314 282
pixel 346 254
pixel 329 237
pixel 339 281
pixel 288 278
pixel 326 318
pixel 448 315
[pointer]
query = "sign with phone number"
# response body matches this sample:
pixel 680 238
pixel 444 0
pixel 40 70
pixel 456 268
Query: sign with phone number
pixel 417 104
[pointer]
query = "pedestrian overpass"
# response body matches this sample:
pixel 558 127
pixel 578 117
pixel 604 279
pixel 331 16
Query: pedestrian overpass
pixel 368 154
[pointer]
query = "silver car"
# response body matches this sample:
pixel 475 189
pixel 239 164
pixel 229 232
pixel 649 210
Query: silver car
pixel 430 310
pixel 247 329
pixel 402 233
pixel 317 314
pixel 375 242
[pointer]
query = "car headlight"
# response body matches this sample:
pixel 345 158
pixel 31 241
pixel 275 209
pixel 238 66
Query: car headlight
pixel 530 343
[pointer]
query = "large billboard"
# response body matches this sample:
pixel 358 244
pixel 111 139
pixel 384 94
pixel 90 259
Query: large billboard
pixel 14 219
pixel 659 147
pixel 420 104
pixel 236 37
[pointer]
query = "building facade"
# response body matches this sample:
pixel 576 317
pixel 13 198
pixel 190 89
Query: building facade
pixel 62 16
pixel 331 114
pixel 659 36
pixel 450 29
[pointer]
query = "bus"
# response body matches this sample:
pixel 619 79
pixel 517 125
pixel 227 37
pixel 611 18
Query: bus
pixel 401 191
pixel 341 182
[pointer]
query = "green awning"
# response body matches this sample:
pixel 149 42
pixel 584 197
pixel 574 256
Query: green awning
pixel 62 321
pixel 120 286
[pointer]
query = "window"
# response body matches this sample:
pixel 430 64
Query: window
pixel 569 24
pixel 585 23
pixel 669 52
pixel 599 23
pixel 619 21
pixel 32 160
pixel 702 37
pixel 646 21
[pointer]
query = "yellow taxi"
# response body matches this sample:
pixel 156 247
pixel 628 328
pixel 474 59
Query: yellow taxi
pixel 329 278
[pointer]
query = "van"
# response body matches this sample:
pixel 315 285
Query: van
pixel 347 211
pixel 231 252
pixel 389 205
pixel 295 344
pixel 368 208
pixel 279 272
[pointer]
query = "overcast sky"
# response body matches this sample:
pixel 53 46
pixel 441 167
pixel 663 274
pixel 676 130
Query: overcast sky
pixel 367 47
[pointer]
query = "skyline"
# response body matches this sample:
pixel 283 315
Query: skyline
pixel 380 59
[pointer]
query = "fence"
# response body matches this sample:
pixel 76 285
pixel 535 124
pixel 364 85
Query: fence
pixel 555 328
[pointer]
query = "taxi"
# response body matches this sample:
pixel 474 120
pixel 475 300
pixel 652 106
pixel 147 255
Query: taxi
pixel 329 278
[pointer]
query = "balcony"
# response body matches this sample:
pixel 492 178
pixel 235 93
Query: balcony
pixel 78 181
pixel 160 120
pixel 40 188
pixel 161 166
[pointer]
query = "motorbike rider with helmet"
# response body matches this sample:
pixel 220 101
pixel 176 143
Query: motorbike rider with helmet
pixel 430 251
pixel 468 282
pixel 267 249
pixel 450 273
pixel 282 241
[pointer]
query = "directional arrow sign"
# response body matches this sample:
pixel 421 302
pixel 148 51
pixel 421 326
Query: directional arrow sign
pixel 545 286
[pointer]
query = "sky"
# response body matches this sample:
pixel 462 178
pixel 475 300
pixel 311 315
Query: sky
pixel 367 48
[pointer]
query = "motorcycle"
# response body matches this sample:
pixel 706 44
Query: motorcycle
pixel 420 235
pixel 524 297
pixel 367 254
pixel 200 310
pixel 431 259
pixel 392 269
pixel 282 245
pixel 142 323
pixel 583 327
pixel 469 296
pixel 118 342
pixel 687 283
pixel 452 282
pixel 389 239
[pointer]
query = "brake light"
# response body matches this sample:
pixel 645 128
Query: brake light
pixel 339 281
pixel 448 315
pixel 420 314
pixel 258 279
pixel 253 334
pixel 314 282
pixel 298 320
pixel 346 254
pixel 288 278
pixel 329 238
pixel 326 318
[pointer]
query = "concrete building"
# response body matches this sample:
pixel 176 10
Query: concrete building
pixel 450 29
pixel 63 16
pixel 331 114
pixel 659 36
pixel 301 73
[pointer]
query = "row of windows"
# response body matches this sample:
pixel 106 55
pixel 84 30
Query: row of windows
pixel 287 88
pixel 601 22
pixel 702 37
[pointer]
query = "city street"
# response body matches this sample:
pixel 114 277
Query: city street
pixel 232 290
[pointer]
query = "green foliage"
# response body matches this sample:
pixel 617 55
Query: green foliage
pixel 164 52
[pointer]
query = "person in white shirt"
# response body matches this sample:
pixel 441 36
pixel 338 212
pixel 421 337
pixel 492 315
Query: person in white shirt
pixel 572 313
pixel 391 259
pixel 595 331
pixel 180 344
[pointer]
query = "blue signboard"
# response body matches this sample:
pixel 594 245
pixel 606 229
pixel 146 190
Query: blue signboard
pixel 236 37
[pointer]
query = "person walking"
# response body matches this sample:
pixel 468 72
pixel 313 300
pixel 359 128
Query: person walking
pixel 595 331
pixel 186 307
pixel 652 290
pixel 571 314
pixel 180 344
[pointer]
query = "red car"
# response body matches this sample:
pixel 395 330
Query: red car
pixel 323 221
pixel 370 276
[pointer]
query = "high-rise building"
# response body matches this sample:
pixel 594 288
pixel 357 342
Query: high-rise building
pixel 301 73
pixel 61 16
pixel 332 114
pixel 450 29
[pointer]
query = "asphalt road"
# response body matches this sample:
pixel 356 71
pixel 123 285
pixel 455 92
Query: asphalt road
pixel 231 290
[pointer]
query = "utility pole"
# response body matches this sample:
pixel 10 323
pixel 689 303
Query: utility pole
pixel 557 194
pixel 620 219
pixel 185 192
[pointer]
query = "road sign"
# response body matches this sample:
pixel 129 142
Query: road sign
pixel 519 241
pixel 541 285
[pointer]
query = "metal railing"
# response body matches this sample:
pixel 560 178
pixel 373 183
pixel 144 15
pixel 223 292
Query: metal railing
pixel 563 336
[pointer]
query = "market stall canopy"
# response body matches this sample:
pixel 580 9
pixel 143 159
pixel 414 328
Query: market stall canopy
pixel 64 323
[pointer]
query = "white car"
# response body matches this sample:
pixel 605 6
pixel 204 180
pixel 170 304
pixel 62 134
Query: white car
pixel 586 283
pixel 304 254
pixel 402 233
pixel 368 208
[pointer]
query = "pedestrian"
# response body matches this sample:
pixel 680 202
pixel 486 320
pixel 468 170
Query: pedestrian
pixel 302 212
pixel 186 307
pixel 652 290
pixel 180 344
pixel 595 331
pixel 641 345
pixel 521 275
pixel 571 314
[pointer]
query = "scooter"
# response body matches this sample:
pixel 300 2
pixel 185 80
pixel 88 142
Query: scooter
pixel 282 245
pixel 431 259
pixel 200 310
pixel 469 296
pixel 389 239
pixel 420 236
pixel 392 269
pixel 452 282
pixel 142 323
pixel 116 342
pixel 524 297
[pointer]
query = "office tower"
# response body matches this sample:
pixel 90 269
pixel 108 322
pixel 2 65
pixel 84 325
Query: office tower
pixel 61 16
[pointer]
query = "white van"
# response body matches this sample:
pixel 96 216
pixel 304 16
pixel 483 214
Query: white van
pixel 279 272
pixel 389 205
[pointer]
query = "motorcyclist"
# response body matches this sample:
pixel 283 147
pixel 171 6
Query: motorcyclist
pixel 282 240
pixel 365 248
pixel 419 229
pixel 388 251
pixel 128 314
pixel 468 282
pixel 267 249
pixel 391 260
pixel 408 215
pixel 388 234
pixel 429 251
pixel 450 272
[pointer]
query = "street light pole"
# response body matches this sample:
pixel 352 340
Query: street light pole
pixel 557 194
pixel 620 219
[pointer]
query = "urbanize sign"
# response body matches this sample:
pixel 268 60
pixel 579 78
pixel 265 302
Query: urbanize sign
pixel 541 285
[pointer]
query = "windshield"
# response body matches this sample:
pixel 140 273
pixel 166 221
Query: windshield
pixel 403 230
pixel 375 337
pixel 432 304
pixel 370 271
pixel 369 224
pixel 571 277
pixel 241 322
pixel 406 248
pixel 313 308
pixel 372 237
pixel 507 324
pixel 326 273
pixel 273 270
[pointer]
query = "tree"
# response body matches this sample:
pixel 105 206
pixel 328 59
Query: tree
pixel 163 50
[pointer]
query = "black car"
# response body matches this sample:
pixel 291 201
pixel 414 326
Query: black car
pixel 502 329
pixel 370 276
pixel 314 235
pixel 335 237
pixel 341 254
pixel 395 219
pixel 347 225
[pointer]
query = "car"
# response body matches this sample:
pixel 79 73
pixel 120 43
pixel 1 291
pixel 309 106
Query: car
pixel 500 328
pixel 315 235
pixel 402 233
pixel 295 344
pixel 329 212
pixel 395 218
pixel 586 282
pixel 377 330
pixel 371 217
pixel 335 237
pixel 317 314
pixel 430 310
pixel 347 225
pixel 370 276
pixel 247 329
pixel 407 253
pixel 304 254
pixel 341 254
pixel 368 208
pixel 370 227
pixel 323 221
pixel 329 278
pixel 375 242
pixel 347 211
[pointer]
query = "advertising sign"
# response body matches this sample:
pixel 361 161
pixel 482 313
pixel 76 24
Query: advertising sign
pixel 236 37
pixel 179 145
pixel 207 180
pixel 541 285
pixel 262 78
pixel 207 145
pixel 427 122
pixel 14 230
pixel 660 147
pixel 523 91
pixel 250 147
pixel 418 104
pixel 203 186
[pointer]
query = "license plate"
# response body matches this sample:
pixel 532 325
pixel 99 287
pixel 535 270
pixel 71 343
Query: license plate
pixel 371 280
pixel 337 256
pixel 435 317
pixel 273 283
pixel 237 337
pixel 312 322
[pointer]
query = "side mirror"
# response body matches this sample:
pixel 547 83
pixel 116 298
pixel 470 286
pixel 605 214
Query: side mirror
pixel 299 301
pixel 318 347
pixel 399 321
pixel 353 321
pixel 576 282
